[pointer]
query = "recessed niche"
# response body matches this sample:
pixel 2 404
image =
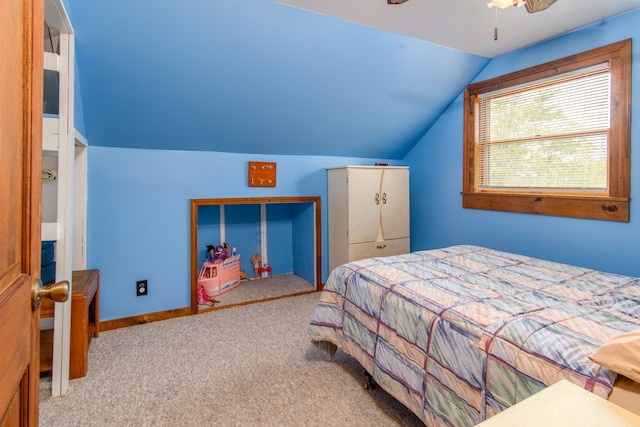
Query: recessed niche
pixel 285 231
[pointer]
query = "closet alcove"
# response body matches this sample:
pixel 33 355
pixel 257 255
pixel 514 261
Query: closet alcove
pixel 284 231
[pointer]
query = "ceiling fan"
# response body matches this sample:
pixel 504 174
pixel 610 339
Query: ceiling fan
pixel 532 6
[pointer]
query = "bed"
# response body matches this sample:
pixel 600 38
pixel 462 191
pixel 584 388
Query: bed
pixel 461 333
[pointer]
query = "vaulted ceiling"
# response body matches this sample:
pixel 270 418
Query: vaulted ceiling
pixel 260 77
pixel 468 25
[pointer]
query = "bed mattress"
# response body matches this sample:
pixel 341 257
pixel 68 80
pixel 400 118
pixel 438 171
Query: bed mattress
pixel 461 333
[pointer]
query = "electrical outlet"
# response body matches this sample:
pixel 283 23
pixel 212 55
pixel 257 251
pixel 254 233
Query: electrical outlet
pixel 141 287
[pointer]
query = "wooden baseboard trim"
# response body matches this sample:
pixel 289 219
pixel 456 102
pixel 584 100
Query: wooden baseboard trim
pixel 206 310
pixel 144 318
pixel 170 314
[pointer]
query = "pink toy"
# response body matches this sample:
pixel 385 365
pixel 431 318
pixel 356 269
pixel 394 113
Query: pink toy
pixel 203 298
pixel 218 277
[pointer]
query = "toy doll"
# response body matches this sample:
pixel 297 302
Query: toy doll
pixel 257 263
pixel 216 254
pixel 210 253
pixel 204 299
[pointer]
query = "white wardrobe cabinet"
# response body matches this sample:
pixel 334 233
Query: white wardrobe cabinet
pixel 368 212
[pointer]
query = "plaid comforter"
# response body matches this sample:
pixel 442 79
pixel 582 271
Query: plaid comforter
pixel 461 333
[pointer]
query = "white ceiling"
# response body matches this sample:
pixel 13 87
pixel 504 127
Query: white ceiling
pixel 468 25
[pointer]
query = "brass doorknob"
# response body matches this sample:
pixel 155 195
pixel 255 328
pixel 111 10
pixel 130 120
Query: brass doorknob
pixel 58 292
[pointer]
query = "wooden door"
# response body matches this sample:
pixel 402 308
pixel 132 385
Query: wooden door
pixel 364 204
pixel 21 47
pixel 394 205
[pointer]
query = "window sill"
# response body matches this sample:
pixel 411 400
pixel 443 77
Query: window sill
pixel 600 208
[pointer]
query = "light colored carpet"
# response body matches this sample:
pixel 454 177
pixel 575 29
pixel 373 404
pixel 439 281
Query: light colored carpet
pixel 248 365
pixel 268 287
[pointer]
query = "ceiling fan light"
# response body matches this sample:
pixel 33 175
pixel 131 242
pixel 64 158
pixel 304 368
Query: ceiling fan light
pixel 502 4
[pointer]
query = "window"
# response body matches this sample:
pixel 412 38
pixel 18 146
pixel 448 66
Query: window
pixel 552 139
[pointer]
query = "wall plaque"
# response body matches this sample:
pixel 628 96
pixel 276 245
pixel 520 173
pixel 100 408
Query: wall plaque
pixel 262 174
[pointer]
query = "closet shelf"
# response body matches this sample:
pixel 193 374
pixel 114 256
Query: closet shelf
pixel 51 61
pixel 50 126
pixel 49 231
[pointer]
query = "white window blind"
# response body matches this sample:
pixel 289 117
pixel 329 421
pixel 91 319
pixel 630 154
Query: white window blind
pixel 548 136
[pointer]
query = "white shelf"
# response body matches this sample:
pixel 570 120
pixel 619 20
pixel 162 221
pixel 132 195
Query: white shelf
pixel 51 61
pixel 49 231
pixel 50 129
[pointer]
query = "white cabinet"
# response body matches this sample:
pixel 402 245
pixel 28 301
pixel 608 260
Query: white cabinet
pixel 368 212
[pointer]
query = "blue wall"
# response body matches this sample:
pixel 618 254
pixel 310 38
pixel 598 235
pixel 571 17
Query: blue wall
pixel 242 232
pixel 208 229
pixel 280 238
pixel 138 207
pixel 139 214
pixel 256 76
pixel 304 250
pixel 437 217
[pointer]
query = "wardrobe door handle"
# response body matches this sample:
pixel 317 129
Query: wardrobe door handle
pixel 377 198
pixel 384 198
pixel 381 246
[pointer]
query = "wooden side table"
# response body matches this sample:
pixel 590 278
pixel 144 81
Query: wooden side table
pixel 85 322
pixel 563 404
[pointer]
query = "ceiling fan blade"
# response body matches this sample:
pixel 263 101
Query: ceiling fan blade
pixel 533 6
pixel 396 1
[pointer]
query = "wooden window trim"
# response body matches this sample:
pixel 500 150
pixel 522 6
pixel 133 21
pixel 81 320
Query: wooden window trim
pixel 614 206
